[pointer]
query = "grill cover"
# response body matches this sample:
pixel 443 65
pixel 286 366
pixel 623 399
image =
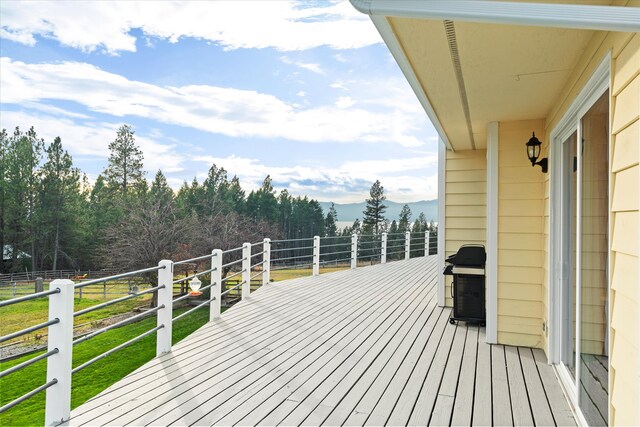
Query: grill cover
pixel 469 256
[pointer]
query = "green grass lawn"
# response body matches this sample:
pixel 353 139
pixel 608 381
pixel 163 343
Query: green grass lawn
pixel 95 378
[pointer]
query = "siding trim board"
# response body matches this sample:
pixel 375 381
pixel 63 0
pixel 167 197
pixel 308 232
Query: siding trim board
pixel 442 159
pixel 492 234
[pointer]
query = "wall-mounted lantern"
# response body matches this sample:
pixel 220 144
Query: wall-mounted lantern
pixel 195 284
pixel 533 152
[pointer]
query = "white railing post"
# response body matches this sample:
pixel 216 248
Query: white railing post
pixel 383 249
pixel 407 244
pixel 246 270
pixel 266 262
pixel 354 251
pixel 165 315
pixel 58 399
pixel 426 243
pixel 216 281
pixel 316 255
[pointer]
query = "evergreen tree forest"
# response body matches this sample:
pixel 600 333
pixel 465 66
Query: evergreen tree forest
pixel 51 217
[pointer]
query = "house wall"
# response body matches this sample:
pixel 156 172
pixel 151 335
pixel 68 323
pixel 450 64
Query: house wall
pixel 466 203
pixel 624 188
pixel 520 237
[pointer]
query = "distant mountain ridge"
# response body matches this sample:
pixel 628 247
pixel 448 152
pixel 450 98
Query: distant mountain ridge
pixel 352 211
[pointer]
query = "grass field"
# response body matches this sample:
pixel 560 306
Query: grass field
pixel 95 378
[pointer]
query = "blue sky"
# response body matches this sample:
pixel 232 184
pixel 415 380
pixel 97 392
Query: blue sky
pixel 304 91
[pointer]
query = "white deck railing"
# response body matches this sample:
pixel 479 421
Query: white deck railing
pixel 242 262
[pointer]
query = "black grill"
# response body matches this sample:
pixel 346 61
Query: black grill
pixel 468 293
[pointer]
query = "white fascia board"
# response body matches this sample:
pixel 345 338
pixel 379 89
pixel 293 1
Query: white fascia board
pixel 577 16
pixel 396 50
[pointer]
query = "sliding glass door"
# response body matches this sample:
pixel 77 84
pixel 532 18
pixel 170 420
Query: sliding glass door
pixel 585 226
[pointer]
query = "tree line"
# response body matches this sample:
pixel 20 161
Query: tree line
pixel 52 217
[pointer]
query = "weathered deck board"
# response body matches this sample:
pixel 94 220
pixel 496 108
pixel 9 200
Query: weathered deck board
pixel 482 409
pixel 540 408
pixel 360 347
pixel 463 406
pixel 557 401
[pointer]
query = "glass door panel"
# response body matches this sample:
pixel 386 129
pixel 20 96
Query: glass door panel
pixel 569 297
pixel 593 277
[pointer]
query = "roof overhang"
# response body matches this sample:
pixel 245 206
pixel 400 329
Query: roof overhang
pixel 472 62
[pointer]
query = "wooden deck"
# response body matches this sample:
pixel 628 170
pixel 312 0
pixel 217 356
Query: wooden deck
pixel 358 347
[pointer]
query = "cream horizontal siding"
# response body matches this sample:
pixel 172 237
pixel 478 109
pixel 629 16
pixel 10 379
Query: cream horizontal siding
pixel 521 240
pixel 623 344
pixel 466 202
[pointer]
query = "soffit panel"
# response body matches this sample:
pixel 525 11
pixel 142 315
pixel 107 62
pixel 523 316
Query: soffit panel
pixel 510 72
pixel 425 45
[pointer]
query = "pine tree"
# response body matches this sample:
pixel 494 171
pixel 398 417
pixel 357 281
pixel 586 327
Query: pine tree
pixel 330 222
pixel 404 223
pixel 124 171
pixel 375 208
pixel 60 186
pixel 160 190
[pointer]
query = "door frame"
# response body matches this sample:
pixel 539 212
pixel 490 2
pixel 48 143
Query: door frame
pixel 598 84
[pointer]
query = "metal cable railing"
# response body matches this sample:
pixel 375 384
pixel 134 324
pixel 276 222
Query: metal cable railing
pixel 286 254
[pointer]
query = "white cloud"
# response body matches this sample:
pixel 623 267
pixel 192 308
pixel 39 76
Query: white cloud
pixel 384 115
pixel 301 93
pixel 93 139
pixel 344 102
pixel 404 179
pixel 315 68
pixel 106 26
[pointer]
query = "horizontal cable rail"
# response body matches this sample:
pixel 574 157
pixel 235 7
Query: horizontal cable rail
pixel 255 265
pixel 28 330
pixel 369 256
pixel 118 276
pixel 117 324
pixel 334 261
pixel 28 395
pixel 292 240
pixel 115 301
pixel 231 289
pixel 307 254
pixel 191 260
pixel 29 297
pixel 228 251
pixel 335 253
pixel 202 304
pixel 292 266
pixel 233 275
pixel 232 263
pixel 28 363
pixel 290 258
pixel 193 276
pixel 116 348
